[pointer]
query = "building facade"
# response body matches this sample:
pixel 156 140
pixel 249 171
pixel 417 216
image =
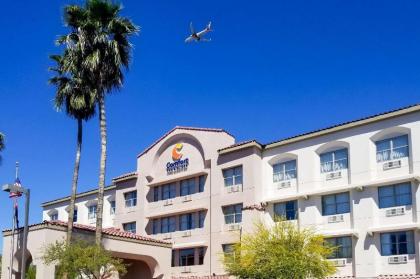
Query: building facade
pixel 356 183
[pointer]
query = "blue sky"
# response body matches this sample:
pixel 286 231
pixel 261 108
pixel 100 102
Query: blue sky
pixel 273 69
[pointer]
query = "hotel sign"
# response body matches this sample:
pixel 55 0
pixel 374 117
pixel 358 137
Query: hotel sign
pixel 178 164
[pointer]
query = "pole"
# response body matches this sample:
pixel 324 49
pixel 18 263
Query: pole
pixel 25 234
pixel 12 245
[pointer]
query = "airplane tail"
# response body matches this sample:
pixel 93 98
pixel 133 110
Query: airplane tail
pixel 209 26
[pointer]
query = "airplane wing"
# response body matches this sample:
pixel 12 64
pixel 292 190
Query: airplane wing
pixel 192 28
pixel 189 39
pixel 202 33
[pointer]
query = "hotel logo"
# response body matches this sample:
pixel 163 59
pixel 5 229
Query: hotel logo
pixel 178 164
pixel 176 151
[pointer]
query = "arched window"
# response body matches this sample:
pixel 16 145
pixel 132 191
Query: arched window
pixel 392 148
pixel 284 171
pixel 284 167
pixel 334 160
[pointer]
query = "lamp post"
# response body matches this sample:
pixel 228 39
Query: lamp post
pixel 15 189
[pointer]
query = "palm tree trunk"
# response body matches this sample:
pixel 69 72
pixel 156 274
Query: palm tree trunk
pixel 102 123
pixel 75 180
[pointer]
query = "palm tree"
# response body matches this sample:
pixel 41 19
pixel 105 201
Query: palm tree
pixel 2 146
pixel 78 100
pixel 102 36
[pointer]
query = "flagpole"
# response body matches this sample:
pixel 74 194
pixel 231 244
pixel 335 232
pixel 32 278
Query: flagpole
pixel 12 248
pixel 12 243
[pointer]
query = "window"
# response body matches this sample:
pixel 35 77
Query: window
pixel 233 176
pixel 112 207
pixel 54 217
pixel 186 257
pixel 392 148
pixel 229 250
pixel 201 218
pixel 168 191
pixel 344 247
pixel 284 171
pixel 173 258
pixel 334 160
pixel 397 243
pixel 287 210
pixel 335 204
pixel 233 213
pixel 130 199
pixel 167 224
pixel 92 212
pixel 394 195
pixel 130 227
pixel 75 215
pixel 155 226
pixel 186 222
pixel 188 187
pixel 201 251
pixel 201 182
pixel 156 194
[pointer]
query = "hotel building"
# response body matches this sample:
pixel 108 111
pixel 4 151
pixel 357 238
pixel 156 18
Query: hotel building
pixel 196 190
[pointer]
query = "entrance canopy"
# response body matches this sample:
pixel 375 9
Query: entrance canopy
pixel 151 257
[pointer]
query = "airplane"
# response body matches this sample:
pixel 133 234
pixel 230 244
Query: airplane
pixel 198 36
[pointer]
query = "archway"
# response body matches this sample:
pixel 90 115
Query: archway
pixel 137 269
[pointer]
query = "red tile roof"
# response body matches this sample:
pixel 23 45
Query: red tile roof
pixel 125 175
pixel 408 109
pixel 106 231
pixel 240 144
pixel 183 128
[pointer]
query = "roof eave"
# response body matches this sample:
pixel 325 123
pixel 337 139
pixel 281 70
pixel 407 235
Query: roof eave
pixel 240 147
pixel 183 128
pixel 350 125
pixel 81 195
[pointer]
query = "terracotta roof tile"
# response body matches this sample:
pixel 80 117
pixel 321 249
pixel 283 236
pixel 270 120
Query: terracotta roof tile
pixel 342 124
pixel 88 192
pixel 240 144
pixel 183 128
pixel 106 231
pixel 125 175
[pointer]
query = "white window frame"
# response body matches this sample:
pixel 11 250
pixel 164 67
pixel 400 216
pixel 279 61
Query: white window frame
pixel 130 202
pixel 233 177
pixel 112 208
pixel 334 161
pixel 391 149
pixel 277 175
pixel 92 213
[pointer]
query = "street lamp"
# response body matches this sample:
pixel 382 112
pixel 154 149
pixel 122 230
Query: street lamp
pixel 19 190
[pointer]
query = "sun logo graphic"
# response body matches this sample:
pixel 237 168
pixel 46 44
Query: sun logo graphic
pixel 176 151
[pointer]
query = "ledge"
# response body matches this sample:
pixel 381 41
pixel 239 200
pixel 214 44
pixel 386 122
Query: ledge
pixel 189 245
pixel 176 211
pixel 348 187
pixel 176 177
pixel 392 228
pixel 349 232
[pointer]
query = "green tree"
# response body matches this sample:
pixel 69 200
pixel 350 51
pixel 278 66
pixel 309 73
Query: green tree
pixel 280 252
pixel 78 100
pixel 82 260
pixel 31 273
pixel 102 36
pixel 2 145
